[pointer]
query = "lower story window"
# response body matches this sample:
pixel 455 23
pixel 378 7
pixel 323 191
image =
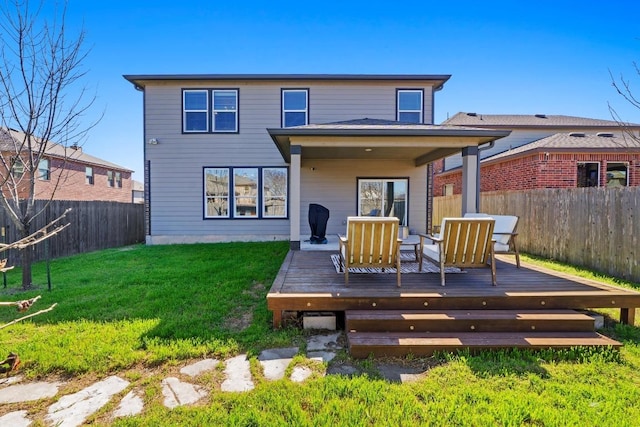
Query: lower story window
pixel 251 192
pixel 617 174
pixel 383 197
pixel 588 174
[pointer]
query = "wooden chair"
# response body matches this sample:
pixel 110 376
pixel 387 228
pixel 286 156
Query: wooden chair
pixel 504 233
pixel 462 242
pixel 371 242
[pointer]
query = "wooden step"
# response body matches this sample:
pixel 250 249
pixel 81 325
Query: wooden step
pixel 378 344
pixel 468 321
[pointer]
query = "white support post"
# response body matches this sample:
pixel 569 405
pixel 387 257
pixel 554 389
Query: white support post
pixel 470 180
pixel 294 198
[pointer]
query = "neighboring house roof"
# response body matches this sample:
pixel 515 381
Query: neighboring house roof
pixel 10 136
pixel 438 79
pixel 574 141
pixel 529 121
pixel 137 185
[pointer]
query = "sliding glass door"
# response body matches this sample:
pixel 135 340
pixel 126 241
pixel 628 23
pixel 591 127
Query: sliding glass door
pixel 383 197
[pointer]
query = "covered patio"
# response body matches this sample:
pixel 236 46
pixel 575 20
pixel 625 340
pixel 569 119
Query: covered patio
pixel 382 140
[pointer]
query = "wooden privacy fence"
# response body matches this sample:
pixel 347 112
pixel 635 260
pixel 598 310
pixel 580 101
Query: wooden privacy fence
pixel 597 228
pixel 93 226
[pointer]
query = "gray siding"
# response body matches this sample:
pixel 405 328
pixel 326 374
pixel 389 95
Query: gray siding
pixel 333 184
pixel 177 161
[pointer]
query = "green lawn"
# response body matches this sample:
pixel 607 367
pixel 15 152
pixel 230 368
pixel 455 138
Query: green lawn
pixel 139 311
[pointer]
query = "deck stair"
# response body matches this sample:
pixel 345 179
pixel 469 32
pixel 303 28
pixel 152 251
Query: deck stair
pixel 423 332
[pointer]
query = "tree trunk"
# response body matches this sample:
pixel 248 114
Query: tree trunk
pixel 26 260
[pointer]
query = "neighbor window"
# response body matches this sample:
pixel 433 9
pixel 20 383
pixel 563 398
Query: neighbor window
pixel 195 107
pixel 257 192
pixel 295 107
pixel 43 170
pixel 409 108
pixel 588 174
pixel 274 194
pixel 17 170
pixel 110 178
pixel 88 174
pixel 617 174
pixel 383 197
pixel 225 110
pixel 118 180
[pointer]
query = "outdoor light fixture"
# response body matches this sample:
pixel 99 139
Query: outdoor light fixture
pixel 368 150
pixel 153 141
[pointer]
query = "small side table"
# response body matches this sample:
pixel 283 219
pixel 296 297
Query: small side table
pixel 412 240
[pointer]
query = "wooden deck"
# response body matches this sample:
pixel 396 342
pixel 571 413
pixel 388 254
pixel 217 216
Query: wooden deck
pixel 308 282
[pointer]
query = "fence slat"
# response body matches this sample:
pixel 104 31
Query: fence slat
pixel 597 228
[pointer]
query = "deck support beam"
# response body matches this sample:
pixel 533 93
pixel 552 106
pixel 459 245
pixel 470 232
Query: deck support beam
pixel 628 316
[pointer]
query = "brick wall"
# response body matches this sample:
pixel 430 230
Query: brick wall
pixel 67 180
pixel 537 170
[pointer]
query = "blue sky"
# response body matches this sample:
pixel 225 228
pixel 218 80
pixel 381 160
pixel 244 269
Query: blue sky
pixel 505 57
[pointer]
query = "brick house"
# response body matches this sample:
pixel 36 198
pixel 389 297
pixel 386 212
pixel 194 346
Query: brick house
pixel 546 152
pixel 67 173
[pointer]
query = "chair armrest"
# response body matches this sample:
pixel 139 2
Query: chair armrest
pixel 430 237
pixel 505 234
pixel 342 238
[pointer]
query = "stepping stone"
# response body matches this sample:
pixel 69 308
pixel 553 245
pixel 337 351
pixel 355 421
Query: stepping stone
pixel 73 409
pixel 131 404
pixel 275 361
pixel 28 392
pixel 15 419
pixel 10 380
pixel 197 368
pixel 400 374
pixel 323 342
pixel 300 374
pixel 238 375
pixel 177 393
pixel 322 356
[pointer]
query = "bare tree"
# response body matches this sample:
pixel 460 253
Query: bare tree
pixel 42 103
pixel 622 85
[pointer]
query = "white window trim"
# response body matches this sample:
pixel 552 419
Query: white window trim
pixel 87 177
pixel 185 111
pixel 627 173
pixel 305 110
pixel 421 110
pixel 240 196
pixel 214 111
pixel 228 196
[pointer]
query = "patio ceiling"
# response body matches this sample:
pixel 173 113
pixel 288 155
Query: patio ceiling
pixel 380 139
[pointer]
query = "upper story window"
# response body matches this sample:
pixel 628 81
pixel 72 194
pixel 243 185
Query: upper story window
pixel 43 170
pixel 197 114
pixel 195 110
pixel 225 110
pixel 295 107
pixel 110 178
pixel 118 180
pixel 410 105
pixel 88 174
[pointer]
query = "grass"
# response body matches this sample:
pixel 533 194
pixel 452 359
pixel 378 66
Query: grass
pixel 142 311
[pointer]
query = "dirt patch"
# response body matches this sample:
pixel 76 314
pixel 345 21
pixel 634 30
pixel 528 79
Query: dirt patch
pixel 238 320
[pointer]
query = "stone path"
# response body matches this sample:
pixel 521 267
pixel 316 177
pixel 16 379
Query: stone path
pixel 73 409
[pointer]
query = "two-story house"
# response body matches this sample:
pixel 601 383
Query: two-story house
pixel 241 157
pixel 546 151
pixel 65 173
